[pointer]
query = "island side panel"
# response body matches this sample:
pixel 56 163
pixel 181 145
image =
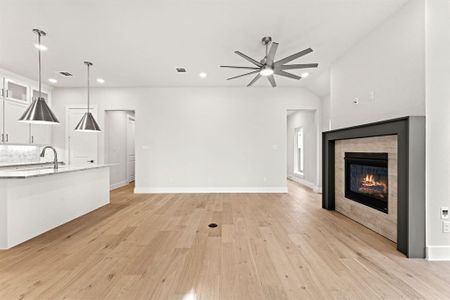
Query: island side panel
pixel 3 215
pixel 38 204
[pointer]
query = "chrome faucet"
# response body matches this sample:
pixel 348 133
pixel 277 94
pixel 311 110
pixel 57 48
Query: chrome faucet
pixel 55 160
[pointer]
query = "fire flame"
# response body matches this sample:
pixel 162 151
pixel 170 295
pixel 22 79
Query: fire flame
pixel 369 181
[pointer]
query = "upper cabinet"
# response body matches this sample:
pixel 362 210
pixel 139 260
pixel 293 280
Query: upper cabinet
pixel 17 95
pixel 44 94
pixel 40 134
pixel 17 91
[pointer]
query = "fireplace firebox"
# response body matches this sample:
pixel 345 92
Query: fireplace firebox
pixel 366 179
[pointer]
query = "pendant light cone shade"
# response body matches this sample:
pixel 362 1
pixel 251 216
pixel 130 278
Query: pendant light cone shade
pixel 87 122
pixel 38 112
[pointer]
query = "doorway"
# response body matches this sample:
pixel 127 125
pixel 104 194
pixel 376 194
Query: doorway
pixel 302 147
pixel 131 159
pixel 119 146
pixel 81 147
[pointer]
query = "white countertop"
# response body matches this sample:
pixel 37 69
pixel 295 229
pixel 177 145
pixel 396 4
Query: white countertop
pixel 26 172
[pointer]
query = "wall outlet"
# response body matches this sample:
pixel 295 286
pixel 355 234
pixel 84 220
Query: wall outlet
pixel 444 213
pixel 446 226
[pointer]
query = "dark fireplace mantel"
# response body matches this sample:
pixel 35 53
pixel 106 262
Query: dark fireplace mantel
pixel 410 132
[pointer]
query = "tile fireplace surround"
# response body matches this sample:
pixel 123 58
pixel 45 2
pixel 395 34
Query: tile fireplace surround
pixel 404 140
pixel 381 222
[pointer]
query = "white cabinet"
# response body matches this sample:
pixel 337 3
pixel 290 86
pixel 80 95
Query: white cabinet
pixel 40 134
pixel 44 94
pixel 2 108
pixel 16 95
pixel 15 132
pixel 17 91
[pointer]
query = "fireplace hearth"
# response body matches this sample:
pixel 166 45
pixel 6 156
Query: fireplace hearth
pixel 366 179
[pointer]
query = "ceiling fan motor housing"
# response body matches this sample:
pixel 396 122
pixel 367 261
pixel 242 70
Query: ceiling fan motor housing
pixel 266 40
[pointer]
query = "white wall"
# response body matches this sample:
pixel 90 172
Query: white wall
pixel 438 125
pixel 405 61
pixel 390 61
pixel 326 113
pixel 306 120
pixel 201 139
pixel 116 146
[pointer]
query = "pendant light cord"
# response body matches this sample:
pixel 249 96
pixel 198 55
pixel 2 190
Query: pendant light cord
pixel 88 87
pixel 40 67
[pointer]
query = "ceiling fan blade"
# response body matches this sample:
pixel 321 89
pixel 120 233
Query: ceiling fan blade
pixel 272 80
pixel 271 54
pixel 286 74
pixel 255 62
pixel 242 75
pixel 237 67
pixel 293 56
pixel 298 66
pixel 254 80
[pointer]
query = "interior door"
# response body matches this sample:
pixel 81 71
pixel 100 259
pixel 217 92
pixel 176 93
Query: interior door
pixel 131 160
pixel 82 146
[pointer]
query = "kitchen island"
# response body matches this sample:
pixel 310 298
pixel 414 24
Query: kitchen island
pixel 35 200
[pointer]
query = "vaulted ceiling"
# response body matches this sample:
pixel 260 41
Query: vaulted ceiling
pixel 141 42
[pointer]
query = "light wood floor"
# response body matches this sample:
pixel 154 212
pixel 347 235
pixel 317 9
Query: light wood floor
pixel 267 246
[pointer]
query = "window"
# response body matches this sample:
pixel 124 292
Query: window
pixel 299 149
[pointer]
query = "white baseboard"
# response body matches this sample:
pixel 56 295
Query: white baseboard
pixel 306 183
pixel 118 185
pixel 438 253
pixel 202 190
pixel 317 189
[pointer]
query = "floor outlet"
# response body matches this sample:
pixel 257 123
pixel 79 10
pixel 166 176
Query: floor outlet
pixel 446 226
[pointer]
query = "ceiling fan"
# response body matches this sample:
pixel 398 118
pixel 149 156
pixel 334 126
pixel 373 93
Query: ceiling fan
pixel 268 67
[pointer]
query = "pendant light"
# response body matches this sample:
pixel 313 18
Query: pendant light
pixel 38 112
pixel 87 122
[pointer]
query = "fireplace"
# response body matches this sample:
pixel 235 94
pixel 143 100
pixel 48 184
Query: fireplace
pixel 366 179
pixel 404 141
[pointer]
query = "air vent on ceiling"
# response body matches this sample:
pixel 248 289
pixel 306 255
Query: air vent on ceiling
pixel 64 73
pixel 181 70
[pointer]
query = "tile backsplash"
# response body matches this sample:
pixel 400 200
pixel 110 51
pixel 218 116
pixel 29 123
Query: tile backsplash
pixel 16 154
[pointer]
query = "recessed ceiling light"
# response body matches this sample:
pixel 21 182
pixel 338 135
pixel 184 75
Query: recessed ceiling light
pixel 100 80
pixel 41 47
pixel 52 80
pixel 203 75
pixel 304 75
